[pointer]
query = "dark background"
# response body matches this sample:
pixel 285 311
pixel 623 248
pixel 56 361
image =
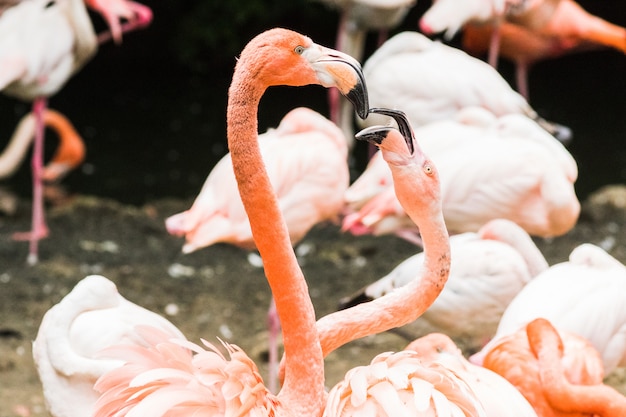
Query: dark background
pixel 152 110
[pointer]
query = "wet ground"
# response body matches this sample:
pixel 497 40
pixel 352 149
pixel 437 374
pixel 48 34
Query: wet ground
pixel 214 292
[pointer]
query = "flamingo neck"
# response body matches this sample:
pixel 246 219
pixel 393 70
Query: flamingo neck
pixel 15 151
pixel 404 304
pixel 303 389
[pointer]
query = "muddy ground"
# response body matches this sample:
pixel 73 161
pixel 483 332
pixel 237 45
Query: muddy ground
pixel 213 292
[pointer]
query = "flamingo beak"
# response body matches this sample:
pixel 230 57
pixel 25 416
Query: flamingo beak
pixel 375 134
pixel 336 69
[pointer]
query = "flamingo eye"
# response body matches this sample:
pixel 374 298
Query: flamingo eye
pixel 299 50
pixel 428 169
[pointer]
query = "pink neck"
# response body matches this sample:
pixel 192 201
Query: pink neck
pixel 403 305
pixel 303 389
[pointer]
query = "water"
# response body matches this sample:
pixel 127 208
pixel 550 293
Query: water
pixel 154 130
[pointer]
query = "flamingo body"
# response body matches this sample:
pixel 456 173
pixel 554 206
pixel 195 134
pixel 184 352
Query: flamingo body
pixel 497 395
pixel 306 159
pixel 93 316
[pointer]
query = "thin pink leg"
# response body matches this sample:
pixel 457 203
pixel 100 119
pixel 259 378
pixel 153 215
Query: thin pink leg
pixel 494 46
pixel 273 324
pixel 39 230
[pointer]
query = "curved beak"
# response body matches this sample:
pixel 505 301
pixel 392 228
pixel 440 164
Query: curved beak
pixel 336 69
pixel 376 134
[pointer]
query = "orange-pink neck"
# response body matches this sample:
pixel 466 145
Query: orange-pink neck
pixel 303 389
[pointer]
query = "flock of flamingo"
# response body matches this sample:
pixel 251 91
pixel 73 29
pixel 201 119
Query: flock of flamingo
pixel 479 285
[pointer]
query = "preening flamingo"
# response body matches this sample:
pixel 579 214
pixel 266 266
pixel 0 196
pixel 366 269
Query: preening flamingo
pixel 70 152
pixel 591 302
pixel 568 28
pixel 598 399
pixel 42 45
pixel 400 383
pixel 92 317
pixel 497 395
pixel 449 80
pixel 275 57
pixel 543 365
pixel 490 169
pixel 488 269
pixel 306 161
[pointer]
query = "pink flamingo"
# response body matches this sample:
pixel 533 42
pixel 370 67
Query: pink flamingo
pixel 488 269
pixel 401 383
pixel 70 152
pixel 497 395
pixel 451 80
pixel 275 57
pixel 540 198
pixel 545 366
pixel 35 65
pixel 569 398
pixel 450 16
pixel 306 160
pixel 91 317
pixel 591 288
pixel 567 28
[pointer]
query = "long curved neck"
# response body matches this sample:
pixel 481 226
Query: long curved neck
pixel 15 151
pixel 401 306
pixel 304 380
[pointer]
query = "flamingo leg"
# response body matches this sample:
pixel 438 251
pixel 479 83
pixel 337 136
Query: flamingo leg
pixel 494 46
pixel 39 230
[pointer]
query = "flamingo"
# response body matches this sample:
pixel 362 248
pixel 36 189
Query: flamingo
pixel 598 399
pixel 36 64
pixel 488 269
pixel 91 317
pixel 539 197
pixel 275 57
pixel 568 28
pixel 550 367
pixel 590 303
pixel 497 395
pixel 401 383
pixel 450 80
pixel 69 154
pixel 306 160
pixel 449 16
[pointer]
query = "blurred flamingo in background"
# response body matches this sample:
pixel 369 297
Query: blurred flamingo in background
pixel 357 17
pixel 70 152
pixel 275 57
pixel 449 81
pixel 540 363
pixel 497 395
pixel 306 160
pixel 449 16
pixel 488 269
pixel 591 302
pixel 92 317
pixel 42 45
pixel 135 15
pixel 529 38
pixel 489 170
